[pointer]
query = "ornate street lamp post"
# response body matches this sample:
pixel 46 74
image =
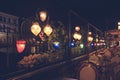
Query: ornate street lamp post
pixel 38 26
pixel 21 43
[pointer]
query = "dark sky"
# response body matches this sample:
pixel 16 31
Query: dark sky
pixel 102 13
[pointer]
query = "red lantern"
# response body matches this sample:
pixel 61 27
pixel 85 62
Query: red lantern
pixel 20 45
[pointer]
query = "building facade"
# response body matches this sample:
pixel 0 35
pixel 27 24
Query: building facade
pixel 8 32
pixel 113 37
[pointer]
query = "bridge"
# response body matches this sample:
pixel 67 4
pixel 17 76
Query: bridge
pixel 77 51
pixel 102 64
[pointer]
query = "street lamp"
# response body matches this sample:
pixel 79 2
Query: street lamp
pixel 21 43
pixel 90 38
pixel 36 28
pixel 42 25
pixel 77 36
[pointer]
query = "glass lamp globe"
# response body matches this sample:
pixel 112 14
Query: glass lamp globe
pixel 35 28
pixel 118 27
pixel 77 28
pixel 77 36
pixel 43 15
pixel 90 39
pixel 47 29
pixel 89 33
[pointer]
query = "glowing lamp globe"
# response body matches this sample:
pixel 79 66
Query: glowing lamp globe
pixel 96 39
pixel 81 45
pixel 47 29
pixel 118 27
pixel 77 36
pixel 89 33
pixel 20 44
pixel 118 23
pixel 77 28
pixel 35 28
pixel 43 15
pixel 90 39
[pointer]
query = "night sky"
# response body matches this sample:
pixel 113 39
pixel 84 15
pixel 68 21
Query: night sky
pixel 102 13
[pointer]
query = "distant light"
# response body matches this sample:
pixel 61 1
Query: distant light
pixel 104 43
pixel 119 27
pixel 118 23
pixel 20 44
pixel 72 44
pixel 89 33
pixel 95 44
pixel 98 44
pixel 96 39
pixel 48 29
pixel 77 28
pixel 56 45
pixel 101 44
pixel 77 36
pixel 90 38
pixel 81 46
pixel 92 44
pixel 43 15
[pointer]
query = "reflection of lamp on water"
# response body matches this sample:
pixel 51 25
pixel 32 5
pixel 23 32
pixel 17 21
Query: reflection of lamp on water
pixel 20 45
